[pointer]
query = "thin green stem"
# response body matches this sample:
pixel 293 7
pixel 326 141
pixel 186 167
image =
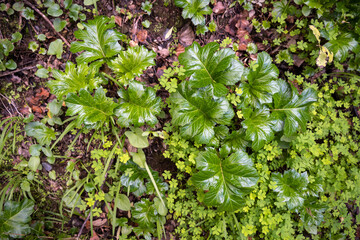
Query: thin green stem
pixel 154 183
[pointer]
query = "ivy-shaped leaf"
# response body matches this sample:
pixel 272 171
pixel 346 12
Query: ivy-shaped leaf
pixel 194 9
pixel 341 46
pixel 258 125
pixel 73 79
pixel 206 65
pixel 137 105
pixel 15 218
pixel 198 111
pixel 260 86
pixel 291 110
pixel 42 133
pixel 99 41
pixel 290 187
pixel 226 181
pixel 93 112
pixel 131 63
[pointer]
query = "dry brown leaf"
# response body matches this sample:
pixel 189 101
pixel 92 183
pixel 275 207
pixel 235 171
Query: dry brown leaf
pixel 118 20
pixel 180 49
pixel 219 8
pixel 142 35
pixel 99 222
pixel 187 35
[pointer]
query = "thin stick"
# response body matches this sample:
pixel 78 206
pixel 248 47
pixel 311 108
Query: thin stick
pixel 18 70
pixel 48 21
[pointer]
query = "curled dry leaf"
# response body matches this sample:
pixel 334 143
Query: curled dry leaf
pixel 187 35
pixel 118 20
pixel 180 49
pixel 219 8
pixel 142 35
pixel 164 52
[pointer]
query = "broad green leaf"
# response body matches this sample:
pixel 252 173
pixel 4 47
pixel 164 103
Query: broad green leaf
pixel 73 79
pixel 258 127
pixel 226 181
pixel 15 37
pixel 5 47
pixel 56 48
pixel 312 214
pixel 197 112
pixel 137 139
pixel 93 111
pixel 260 86
pixel 11 64
pixel 138 105
pixel 54 10
pixel 15 218
pixel 159 206
pixel 28 14
pixel 206 65
pixel 122 202
pixel 144 213
pixel 139 158
pixel 42 133
pixel 131 63
pixel 34 163
pixel 194 9
pixel 99 41
pixel 90 2
pixel 290 187
pixel 18 6
pixel 341 46
pixel 290 109
pixel 42 73
pixel 59 24
pixel 236 141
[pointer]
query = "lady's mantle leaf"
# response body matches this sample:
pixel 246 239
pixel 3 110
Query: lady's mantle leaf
pixel 205 66
pixel 291 186
pixel 194 9
pixel 197 112
pixel 99 41
pixel 42 133
pixel 227 181
pixel 73 79
pixel 260 84
pixel 132 63
pixel 138 105
pixel 291 110
pixel 15 218
pixel 92 111
pixel 258 127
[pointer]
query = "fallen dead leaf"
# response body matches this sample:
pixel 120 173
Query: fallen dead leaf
pixel 219 8
pixel 180 49
pixel 118 20
pixel 99 222
pixel 43 93
pixel 142 35
pixel 133 43
pixel 37 109
pixel 164 52
pixel 187 35
pixel 95 236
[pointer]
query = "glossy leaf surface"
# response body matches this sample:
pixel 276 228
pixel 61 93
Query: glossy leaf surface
pixel 260 86
pixel 208 66
pixel 131 63
pixel 99 41
pixel 137 105
pixel 15 218
pixel 291 110
pixel 194 9
pixel 341 46
pixel 197 112
pixel 73 79
pixel 93 111
pixel 226 181
pixel 258 127
pixel 290 187
pixel 144 213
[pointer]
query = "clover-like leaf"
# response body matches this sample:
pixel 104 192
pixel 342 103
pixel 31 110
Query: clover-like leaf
pixel 93 112
pixel 194 9
pixel 197 112
pixel 260 86
pixel 341 46
pixel 206 65
pixel 73 79
pixel 15 218
pixel 132 62
pixel 42 133
pixel 291 110
pixel 291 186
pixel 258 125
pixel 99 41
pixel 226 181
pixel 137 105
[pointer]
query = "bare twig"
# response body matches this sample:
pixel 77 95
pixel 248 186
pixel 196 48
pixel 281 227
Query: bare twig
pixel 15 71
pixel 47 20
pixel 11 104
